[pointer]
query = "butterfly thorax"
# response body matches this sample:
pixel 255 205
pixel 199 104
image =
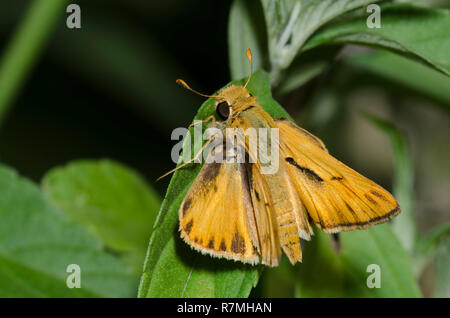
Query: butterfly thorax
pixel 238 97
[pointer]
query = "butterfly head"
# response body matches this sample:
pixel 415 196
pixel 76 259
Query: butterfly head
pixel 230 96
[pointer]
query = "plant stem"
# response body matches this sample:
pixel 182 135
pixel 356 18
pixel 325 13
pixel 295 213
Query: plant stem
pixel 25 47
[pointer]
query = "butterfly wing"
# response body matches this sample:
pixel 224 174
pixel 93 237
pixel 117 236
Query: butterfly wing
pixel 265 218
pixel 336 197
pixel 218 216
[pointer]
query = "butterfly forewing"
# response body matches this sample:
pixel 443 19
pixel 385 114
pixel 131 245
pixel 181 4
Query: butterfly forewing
pixel 213 215
pixel 336 197
pixel 227 213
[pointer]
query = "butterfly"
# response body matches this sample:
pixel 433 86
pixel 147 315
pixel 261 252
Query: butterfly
pixel 235 211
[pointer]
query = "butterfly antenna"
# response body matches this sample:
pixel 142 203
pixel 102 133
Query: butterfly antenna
pixel 249 55
pixel 183 83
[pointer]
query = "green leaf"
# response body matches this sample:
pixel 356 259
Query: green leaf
pixel 416 32
pixel 429 243
pixel 246 29
pixel 419 78
pixel 305 67
pixel 404 225
pixel 427 246
pixel 110 200
pixel 321 273
pixel 171 268
pixel 37 243
pixel 326 272
pixel 442 269
pixel 278 281
pixel 389 247
pixel 377 245
pixel 291 22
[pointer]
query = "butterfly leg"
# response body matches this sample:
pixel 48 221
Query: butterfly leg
pixel 188 162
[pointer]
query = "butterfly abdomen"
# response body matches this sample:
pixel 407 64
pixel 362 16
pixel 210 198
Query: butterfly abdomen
pixel 288 231
pixel 289 238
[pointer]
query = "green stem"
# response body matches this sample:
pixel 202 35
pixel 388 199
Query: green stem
pixel 25 47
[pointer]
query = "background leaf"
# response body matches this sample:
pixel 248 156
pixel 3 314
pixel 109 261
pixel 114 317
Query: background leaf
pixel 442 269
pixel 110 200
pixel 403 225
pixel 291 22
pixel 417 77
pixel 377 245
pixel 412 31
pixel 37 243
pixel 246 29
pixel 427 246
pixel 341 271
pixel 321 272
pixel 339 268
pixel 305 67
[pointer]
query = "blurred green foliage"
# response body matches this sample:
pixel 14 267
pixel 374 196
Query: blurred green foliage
pixel 110 200
pixel 38 243
pixel 107 91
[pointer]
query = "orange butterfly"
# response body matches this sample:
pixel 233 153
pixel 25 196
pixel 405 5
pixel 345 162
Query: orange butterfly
pixel 235 211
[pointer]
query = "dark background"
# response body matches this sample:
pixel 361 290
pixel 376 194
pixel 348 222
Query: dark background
pixel 64 113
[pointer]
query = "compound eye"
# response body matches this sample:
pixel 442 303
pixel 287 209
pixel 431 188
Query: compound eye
pixel 223 110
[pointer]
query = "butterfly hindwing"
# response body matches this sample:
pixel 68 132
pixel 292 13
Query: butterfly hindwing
pixel 336 197
pixel 265 217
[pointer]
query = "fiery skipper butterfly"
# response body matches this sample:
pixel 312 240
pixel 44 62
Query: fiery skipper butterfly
pixel 235 211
